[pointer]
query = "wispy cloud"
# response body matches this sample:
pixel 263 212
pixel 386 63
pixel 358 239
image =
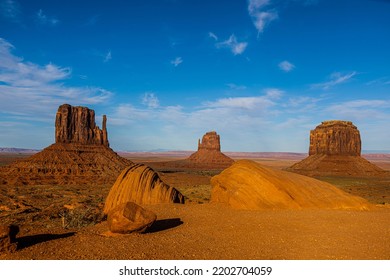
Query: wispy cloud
pixel 260 13
pixel 31 89
pixel 107 57
pixel 286 66
pixel 361 109
pixel 236 87
pixel 336 78
pixel 177 61
pixel 233 44
pixel 43 19
pixel 212 35
pixel 10 10
pixel 151 100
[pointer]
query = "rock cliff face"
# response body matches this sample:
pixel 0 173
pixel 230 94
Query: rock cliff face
pixel 335 138
pixel 210 141
pixel 77 125
pixel 209 153
pixel 80 156
pixel 141 185
pixel 252 186
pixel 335 149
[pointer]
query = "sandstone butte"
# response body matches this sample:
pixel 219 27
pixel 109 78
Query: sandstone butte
pixel 209 153
pixel 80 155
pixel 141 185
pixel 252 186
pixel 335 150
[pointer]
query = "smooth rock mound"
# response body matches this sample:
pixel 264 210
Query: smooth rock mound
pixel 142 185
pixel 249 185
pixel 130 217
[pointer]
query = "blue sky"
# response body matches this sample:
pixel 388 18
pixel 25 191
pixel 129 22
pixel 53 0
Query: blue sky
pixel 261 73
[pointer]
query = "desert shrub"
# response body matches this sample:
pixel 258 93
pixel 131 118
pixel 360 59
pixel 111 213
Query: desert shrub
pixel 81 217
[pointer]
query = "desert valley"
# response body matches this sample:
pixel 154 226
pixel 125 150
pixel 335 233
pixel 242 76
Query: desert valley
pixel 79 199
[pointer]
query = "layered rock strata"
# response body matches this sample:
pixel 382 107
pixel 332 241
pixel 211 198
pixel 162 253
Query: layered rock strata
pixel 252 186
pixel 335 149
pixel 80 156
pixel 142 185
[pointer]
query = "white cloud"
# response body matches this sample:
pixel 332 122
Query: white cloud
pixel 286 66
pixel 336 78
pixel 30 89
pixel 177 61
pixel 362 109
pixel 10 9
pixel 44 19
pixel 261 16
pixel 232 44
pixel 150 99
pixel 108 57
pixel 212 35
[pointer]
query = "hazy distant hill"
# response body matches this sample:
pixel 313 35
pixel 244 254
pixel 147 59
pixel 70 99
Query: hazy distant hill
pixel 18 151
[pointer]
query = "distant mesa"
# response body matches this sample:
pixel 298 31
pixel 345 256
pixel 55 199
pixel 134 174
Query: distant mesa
pixel 335 150
pixel 80 155
pixel 209 152
pixel 252 186
pixel 140 184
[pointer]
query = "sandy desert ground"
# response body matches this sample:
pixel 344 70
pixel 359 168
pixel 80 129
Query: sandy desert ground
pixel 66 222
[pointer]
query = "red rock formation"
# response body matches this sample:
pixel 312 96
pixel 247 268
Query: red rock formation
pixel 335 138
pixel 80 156
pixel 210 141
pixel 209 153
pixel 335 149
pixel 252 186
pixel 140 184
pixel 77 125
pixel 130 217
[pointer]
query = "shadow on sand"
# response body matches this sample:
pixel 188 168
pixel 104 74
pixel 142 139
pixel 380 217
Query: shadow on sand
pixel 27 241
pixel 165 224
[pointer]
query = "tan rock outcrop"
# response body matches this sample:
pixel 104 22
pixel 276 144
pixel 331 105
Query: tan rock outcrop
pixel 335 149
pixel 252 186
pixel 142 185
pixel 130 217
pixel 80 156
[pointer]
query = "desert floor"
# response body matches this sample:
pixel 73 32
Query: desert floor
pixel 65 222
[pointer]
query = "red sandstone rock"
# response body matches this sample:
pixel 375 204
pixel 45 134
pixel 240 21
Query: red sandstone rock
pixel 335 138
pixel 129 217
pixel 80 156
pixel 209 153
pixel 335 149
pixel 8 238
pixel 77 125
pixel 140 184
